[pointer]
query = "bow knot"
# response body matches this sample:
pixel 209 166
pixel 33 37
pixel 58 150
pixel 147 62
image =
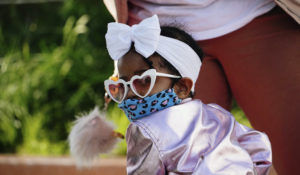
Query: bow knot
pixel 132 31
pixel 144 35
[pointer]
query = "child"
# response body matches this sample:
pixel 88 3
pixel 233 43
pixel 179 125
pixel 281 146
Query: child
pixel 169 132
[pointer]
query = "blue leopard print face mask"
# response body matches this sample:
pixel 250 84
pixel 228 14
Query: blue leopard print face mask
pixel 138 108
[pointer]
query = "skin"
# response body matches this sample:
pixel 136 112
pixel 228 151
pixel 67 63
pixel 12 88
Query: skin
pixel 212 85
pixel 133 64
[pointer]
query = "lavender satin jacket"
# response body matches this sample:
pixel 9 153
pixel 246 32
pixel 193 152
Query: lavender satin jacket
pixel 194 138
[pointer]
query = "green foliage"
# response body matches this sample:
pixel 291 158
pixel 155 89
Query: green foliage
pixel 239 115
pixel 52 66
pixel 35 138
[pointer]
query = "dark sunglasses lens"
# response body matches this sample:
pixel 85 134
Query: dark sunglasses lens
pixel 117 91
pixel 142 85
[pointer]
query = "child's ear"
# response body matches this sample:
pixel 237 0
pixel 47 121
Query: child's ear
pixel 183 87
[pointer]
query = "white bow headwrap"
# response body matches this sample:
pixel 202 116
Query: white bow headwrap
pixel 147 40
pixel 144 35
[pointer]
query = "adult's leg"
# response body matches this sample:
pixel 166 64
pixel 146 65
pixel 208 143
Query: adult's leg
pixel 261 62
pixel 215 88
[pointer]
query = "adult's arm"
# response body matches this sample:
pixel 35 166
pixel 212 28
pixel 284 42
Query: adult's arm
pixel 291 7
pixel 118 9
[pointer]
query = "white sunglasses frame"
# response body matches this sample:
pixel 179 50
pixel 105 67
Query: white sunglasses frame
pixel 151 72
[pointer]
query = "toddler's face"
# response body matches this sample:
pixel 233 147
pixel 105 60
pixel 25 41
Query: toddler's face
pixel 133 64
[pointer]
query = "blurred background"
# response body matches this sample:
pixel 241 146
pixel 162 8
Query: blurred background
pixel 53 62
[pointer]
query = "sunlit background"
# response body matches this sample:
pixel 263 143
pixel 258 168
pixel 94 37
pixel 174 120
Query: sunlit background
pixel 53 62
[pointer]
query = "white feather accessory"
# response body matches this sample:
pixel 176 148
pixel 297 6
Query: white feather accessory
pixel 92 134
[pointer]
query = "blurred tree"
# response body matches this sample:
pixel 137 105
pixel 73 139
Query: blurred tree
pixel 53 63
pixel 26 1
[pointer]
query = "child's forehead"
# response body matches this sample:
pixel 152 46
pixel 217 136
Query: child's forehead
pixel 131 60
pixel 133 63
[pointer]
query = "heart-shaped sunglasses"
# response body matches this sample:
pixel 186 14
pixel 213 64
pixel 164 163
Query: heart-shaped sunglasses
pixel 141 85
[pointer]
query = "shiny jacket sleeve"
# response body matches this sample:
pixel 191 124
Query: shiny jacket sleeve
pixel 257 145
pixel 142 155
